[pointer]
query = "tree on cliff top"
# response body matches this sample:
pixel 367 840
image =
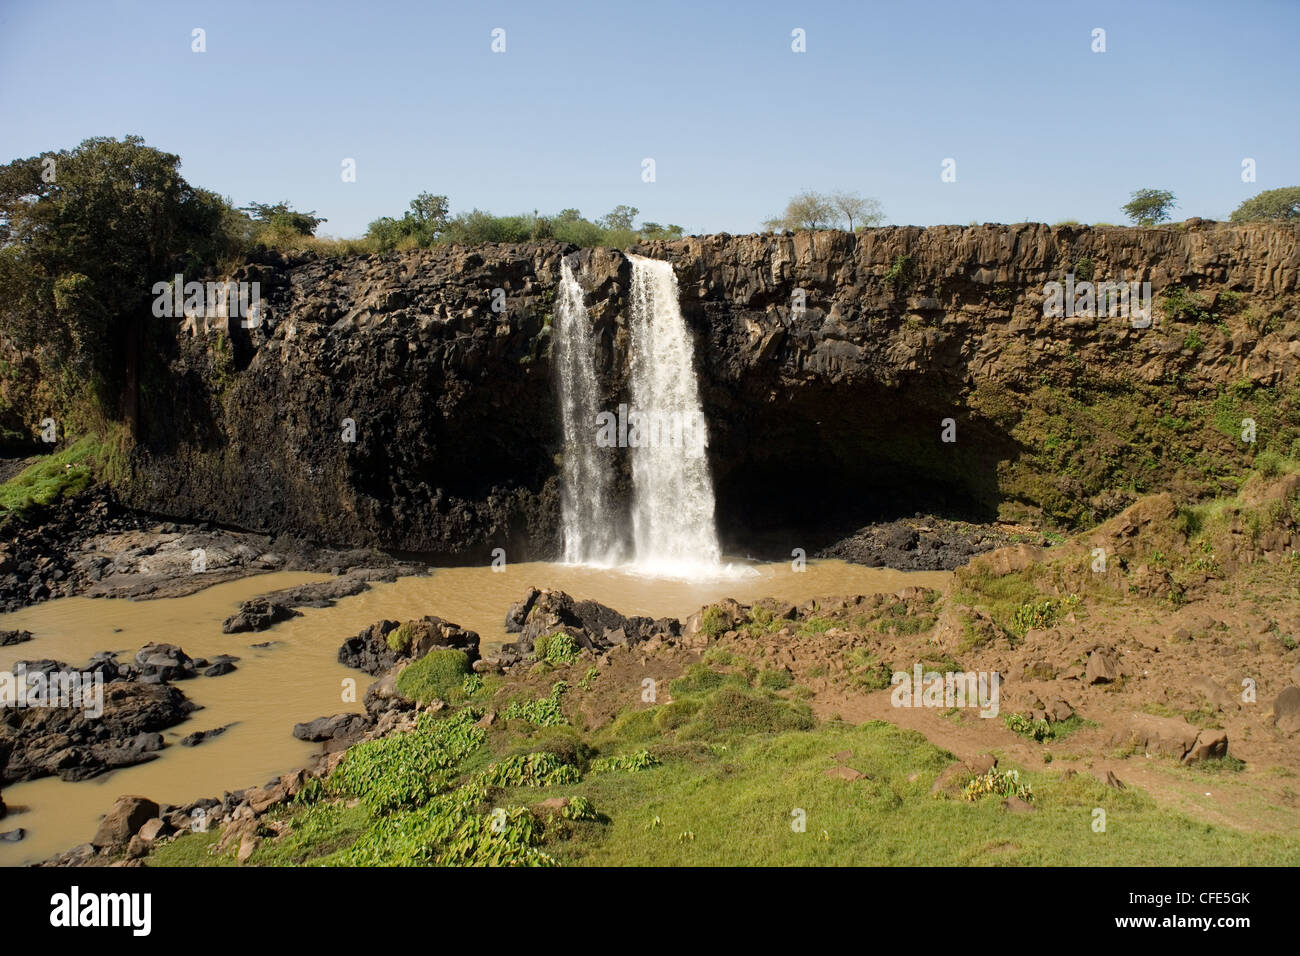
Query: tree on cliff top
pixel 283 216
pixel 813 210
pixel 84 235
pixel 1149 206
pixel 1281 203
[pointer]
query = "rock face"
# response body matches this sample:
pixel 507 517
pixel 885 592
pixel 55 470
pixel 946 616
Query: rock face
pixel 384 402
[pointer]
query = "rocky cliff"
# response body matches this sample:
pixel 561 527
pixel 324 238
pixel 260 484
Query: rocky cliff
pixel 407 400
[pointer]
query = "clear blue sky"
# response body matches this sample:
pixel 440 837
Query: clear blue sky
pixel 1041 127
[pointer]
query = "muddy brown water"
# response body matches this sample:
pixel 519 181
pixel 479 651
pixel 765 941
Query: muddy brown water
pixel 298 677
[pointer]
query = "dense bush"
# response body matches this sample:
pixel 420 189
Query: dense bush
pixel 438 674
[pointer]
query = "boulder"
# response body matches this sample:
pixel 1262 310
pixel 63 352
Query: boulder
pixel 154 829
pixel 1103 667
pixel 592 625
pixel 518 613
pixel 124 820
pixel 338 727
pixel 162 663
pixel 1209 744
pixel 257 615
pixel 1172 737
pixel 1286 710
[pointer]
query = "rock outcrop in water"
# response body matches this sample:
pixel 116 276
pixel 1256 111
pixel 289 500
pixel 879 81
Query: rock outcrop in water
pixel 385 402
pixel 592 625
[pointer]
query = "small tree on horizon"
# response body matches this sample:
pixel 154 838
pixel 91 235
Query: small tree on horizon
pixel 865 211
pixel 807 210
pixel 1147 207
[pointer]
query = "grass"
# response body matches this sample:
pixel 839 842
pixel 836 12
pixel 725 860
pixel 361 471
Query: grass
pixel 52 478
pixel 712 778
pixel 733 806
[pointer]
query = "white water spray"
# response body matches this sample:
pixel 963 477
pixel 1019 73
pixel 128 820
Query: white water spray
pixel 590 523
pixel 672 499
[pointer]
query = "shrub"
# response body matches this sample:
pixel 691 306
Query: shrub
pixel 405 770
pixel 439 674
pixel 1005 783
pixel 544 712
pixel 399 640
pixel 775 680
pixel 556 649
pixel 637 760
pixel 732 710
pixel 538 769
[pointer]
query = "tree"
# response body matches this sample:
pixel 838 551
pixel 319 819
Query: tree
pixel 422 224
pixel 1281 203
pixel 619 218
pixel 1149 206
pixel 807 210
pixel 430 211
pixel 282 216
pixel 851 206
pixel 84 235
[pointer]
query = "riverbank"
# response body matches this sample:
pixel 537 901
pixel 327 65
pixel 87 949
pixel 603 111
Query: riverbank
pixel 1145 713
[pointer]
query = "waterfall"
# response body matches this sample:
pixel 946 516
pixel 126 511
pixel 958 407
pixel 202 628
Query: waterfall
pixel 672 493
pixel 662 426
pixel 590 525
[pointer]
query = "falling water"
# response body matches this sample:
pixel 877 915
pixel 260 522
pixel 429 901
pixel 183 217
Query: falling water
pixel 590 524
pixel 672 498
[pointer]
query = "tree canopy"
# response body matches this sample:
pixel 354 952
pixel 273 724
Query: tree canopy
pixel 1281 203
pixel 1147 207
pixel 840 209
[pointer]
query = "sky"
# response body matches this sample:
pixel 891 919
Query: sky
pixel 1041 127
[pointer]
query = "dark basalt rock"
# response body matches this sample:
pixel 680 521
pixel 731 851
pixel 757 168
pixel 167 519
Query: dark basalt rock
pixel 900 326
pixel 591 624
pixel 340 727
pixel 371 652
pixel 65 741
pixel 198 737
pixel 8 638
pixel 257 615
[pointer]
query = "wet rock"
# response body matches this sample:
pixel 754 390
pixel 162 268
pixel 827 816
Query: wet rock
pixel 338 727
pixel 257 614
pixel 70 742
pixel 518 613
pixel 922 543
pixel 8 638
pixel 13 836
pixel 219 669
pixel 163 663
pixel 199 736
